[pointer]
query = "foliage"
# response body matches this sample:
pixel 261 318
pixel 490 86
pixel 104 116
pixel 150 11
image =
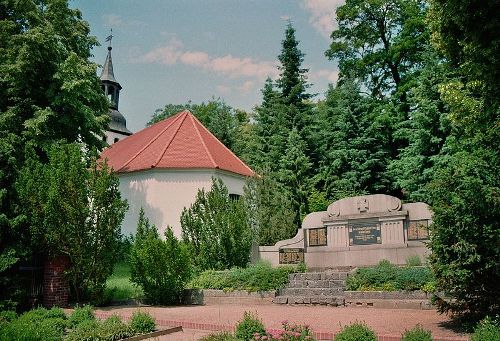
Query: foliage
pixel 356 332
pixel 294 174
pixel 49 91
pixel 258 277
pixel 74 211
pixel 388 277
pixel 464 190
pixel 413 261
pixel 220 336
pixel 249 326
pixel 119 286
pixel 85 331
pixel 379 41
pixel 81 314
pixel 38 324
pixel 288 333
pixel 113 328
pixel 160 267
pixel 417 333
pixel 487 330
pixel 269 209
pixel 216 230
pixel 142 323
pixel 352 143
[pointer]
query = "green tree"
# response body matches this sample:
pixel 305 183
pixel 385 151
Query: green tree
pixel 464 191
pixel 352 143
pixel 160 267
pixel 269 209
pixel 75 211
pixel 49 91
pixel 378 42
pixel 426 132
pixel 295 169
pixel 216 229
pixel 271 128
pixel 292 81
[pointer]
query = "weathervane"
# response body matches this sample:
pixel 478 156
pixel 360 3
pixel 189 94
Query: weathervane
pixel 108 38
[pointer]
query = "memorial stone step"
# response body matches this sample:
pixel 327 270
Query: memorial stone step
pixel 324 288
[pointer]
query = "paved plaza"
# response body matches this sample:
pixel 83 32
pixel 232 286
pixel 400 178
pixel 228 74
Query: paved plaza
pixel 387 323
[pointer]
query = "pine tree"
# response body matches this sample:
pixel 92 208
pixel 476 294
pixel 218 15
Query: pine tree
pixel 294 174
pixel 292 82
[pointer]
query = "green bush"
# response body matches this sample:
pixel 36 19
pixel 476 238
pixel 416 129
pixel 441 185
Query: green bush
pixel 81 314
pixel 356 332
pixel 37 324
pixel 487 330
pixel 413 260
pixel 388 277
pixel 113 328
pixel 160 267
pixel 258 277
pixel 87 330
pixel 417 333
pixel 248 326
pixel 222 336
pixel 142 323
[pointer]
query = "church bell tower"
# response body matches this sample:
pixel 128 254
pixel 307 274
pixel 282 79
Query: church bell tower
pixel 117 128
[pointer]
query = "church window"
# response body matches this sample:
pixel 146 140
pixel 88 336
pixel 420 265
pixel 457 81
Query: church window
pixel 116 139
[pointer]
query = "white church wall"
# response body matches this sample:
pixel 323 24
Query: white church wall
pixel 164 193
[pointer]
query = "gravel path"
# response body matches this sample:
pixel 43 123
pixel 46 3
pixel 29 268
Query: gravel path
pixel 328 320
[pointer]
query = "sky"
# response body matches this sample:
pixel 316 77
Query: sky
pixel 175 51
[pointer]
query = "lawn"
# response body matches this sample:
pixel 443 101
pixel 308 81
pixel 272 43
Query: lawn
pixel 121 286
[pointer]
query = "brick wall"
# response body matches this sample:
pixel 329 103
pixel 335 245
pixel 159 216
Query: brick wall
pixel 55 286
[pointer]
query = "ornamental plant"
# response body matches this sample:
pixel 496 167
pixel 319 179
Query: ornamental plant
pixel 290 332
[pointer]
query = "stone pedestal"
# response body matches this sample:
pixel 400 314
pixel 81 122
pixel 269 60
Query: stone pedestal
pixel 55 285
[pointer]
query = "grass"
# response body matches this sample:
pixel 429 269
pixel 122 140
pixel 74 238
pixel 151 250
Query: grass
pixel 120 286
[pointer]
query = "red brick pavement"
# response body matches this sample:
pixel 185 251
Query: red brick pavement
pixel 325 322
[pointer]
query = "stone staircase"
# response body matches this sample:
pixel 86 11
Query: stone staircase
pixel 323 288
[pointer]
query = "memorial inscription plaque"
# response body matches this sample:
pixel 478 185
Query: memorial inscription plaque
pixel 364 233
pixel 291 256
pixel 317 237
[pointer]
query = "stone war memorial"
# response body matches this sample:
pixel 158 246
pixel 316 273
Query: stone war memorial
pixel 356 231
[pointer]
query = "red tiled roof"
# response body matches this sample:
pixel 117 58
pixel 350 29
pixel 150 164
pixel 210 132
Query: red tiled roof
pixel 179 142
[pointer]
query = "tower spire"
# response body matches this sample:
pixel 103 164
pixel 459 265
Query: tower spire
pixel 107 71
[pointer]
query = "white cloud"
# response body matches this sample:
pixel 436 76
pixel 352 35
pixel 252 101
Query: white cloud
pixel 322 14
pixel 330 75
pixel 117 21
pixel 173 52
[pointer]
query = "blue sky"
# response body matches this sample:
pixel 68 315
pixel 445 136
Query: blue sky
pixel 173 51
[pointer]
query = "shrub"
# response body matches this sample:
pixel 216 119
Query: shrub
pixel 37 324
pixel 258 277
pixel 388 277
pixel 417 333
pixel 289 333
pixel 487 330
pixel 87 330
pixel 113 328
pixel 222 336
pixel 249 326
pixel 81 314
pixel 413 261
pixel 356 332
pixel 216 229
pixel 142 323
pixel 160 267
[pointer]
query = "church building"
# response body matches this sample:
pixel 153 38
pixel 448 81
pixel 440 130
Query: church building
pixel 162 167
pixel 117 128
